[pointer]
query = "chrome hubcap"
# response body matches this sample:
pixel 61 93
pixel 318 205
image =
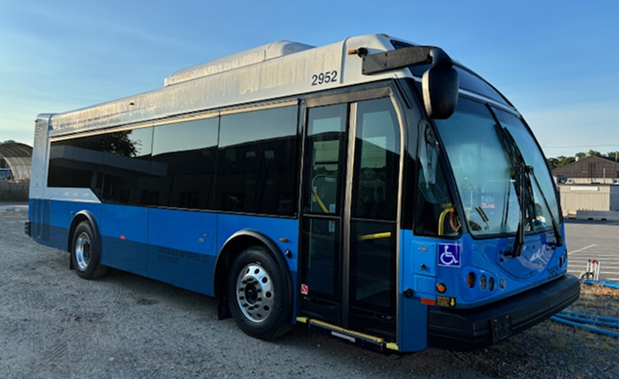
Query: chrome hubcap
pixel 82 251
pixel 255 293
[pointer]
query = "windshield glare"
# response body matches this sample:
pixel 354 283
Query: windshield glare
pixel 485 176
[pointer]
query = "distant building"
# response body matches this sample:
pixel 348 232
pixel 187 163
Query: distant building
pixel 596 170
pixel 15 161
pixel 589 184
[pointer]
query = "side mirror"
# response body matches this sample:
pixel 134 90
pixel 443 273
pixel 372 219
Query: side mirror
pixel 439 84
pixel 440 90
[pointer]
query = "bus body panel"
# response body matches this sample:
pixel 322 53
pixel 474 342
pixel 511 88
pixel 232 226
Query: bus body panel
pixel 38 174
pixel 412 315
pixel 51 219
pixel 283 232
pixel 423 269
pixel 124 237
pixel 466 313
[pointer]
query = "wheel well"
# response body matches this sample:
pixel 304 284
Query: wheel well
pixel 230 251
pixel 76 221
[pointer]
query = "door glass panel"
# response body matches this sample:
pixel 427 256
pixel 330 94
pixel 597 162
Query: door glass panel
pixel 372 265
pixel 375 187
pixel 372 289
pixel 325 139
pixel 322 235
pixel 321 240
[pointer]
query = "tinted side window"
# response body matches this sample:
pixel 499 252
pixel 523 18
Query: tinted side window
pixel 183 164
pixel 77 163
pixel 257 162
pixel 127 166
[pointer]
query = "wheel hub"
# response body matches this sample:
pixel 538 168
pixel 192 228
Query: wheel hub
pixel 255 293
pixel 82 251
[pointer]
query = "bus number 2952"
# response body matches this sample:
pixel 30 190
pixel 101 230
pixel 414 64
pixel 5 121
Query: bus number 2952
pixel 324 78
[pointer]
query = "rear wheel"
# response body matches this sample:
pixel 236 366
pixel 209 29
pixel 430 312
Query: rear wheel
pixel 259 294
pixel 86 252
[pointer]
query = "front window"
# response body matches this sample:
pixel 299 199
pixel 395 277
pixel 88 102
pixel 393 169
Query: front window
pixel 435 214
pixel 533 157
pixel 485 170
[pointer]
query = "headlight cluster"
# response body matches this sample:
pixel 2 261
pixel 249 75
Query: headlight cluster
pixel 485 282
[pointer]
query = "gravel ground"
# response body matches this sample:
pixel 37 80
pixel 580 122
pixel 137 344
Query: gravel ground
pixel 55 325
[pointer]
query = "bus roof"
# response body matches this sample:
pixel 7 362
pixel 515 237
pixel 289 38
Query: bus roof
pixel 277 70
pixel 246 58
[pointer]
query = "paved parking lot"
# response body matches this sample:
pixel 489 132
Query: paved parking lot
pixel 593 240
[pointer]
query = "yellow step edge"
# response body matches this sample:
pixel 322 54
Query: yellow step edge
pixel 302 320
pixel 346 331
pixel 392 346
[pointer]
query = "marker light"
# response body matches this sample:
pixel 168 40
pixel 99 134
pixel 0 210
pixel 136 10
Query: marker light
pixel 441 288
pixel 491 284
pixel 482 282
pixel 470 279
pixel 361 52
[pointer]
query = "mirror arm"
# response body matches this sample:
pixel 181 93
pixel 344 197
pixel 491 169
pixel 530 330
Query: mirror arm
pixel 408 56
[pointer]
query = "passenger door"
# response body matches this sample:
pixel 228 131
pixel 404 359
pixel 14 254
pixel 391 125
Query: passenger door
pixel 349 217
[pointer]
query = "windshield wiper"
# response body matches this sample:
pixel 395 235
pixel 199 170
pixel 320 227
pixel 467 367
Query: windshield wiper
pixel 522 202
pixel 555 225
pixel 526 173
pixel 524 191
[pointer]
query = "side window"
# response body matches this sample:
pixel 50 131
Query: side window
pixel 183 164
pixel 434 209
pixel 77 163
pixel 127 166
pixel 257 162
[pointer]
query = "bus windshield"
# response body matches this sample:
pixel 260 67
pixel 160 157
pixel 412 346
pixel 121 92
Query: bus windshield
pixel 487 177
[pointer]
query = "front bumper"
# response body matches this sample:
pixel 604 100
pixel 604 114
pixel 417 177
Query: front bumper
pixel 471 329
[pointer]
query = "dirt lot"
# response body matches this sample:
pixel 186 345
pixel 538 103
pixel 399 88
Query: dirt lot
pixel 55 325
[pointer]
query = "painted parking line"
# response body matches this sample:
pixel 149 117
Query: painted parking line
pixel 582 249
pixel 609 260
pixel 605 272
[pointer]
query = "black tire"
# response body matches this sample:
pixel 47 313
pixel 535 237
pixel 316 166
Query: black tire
pixel 86 252
pixel 259 294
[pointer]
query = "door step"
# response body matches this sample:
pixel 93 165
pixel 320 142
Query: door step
pixel 366 341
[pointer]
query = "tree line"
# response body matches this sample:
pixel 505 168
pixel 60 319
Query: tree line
pixel 562 160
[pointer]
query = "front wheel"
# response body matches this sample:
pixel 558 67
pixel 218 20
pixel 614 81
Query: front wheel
pixel 86 252
pixel 259 294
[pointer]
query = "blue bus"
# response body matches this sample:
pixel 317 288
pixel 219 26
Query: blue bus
pixel 371 189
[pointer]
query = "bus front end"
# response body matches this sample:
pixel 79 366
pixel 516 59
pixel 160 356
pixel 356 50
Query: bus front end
pixel 486 254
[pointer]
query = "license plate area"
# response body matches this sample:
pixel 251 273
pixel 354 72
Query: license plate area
pixel 501 328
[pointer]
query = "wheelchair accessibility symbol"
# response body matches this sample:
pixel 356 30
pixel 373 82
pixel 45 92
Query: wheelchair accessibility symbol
pixel 449 255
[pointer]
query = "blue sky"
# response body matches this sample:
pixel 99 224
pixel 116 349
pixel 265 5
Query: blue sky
pixel 557 61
